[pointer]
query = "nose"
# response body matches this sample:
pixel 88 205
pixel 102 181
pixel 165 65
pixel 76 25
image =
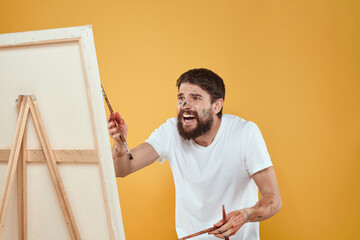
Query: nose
pixel 185 105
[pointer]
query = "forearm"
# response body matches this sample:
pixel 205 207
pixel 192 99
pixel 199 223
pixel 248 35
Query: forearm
pixel 121 160
pixel 268 205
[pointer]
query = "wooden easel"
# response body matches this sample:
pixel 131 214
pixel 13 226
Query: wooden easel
pixel 18 151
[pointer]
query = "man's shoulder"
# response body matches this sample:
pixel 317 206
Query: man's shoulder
pixel 235 120
pixel 168 126
pixel 238 126
pixel 171 122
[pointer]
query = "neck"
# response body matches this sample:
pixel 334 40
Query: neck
pixel 206 139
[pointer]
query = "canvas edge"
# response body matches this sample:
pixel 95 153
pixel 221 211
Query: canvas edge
pixel 103 141
pixel 26 38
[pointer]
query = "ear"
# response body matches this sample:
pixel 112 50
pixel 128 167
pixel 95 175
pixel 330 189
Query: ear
pixel 217 105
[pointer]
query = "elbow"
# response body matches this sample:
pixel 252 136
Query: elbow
pixel 121 174
pixel 276 204
pixel 279 205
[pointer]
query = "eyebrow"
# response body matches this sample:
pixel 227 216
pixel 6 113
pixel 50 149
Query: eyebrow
pixel 191 94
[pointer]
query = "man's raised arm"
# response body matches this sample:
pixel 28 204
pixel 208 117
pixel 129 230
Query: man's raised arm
pixel 144 154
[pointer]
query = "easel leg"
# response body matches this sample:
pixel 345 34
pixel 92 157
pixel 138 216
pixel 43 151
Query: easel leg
pixel 27 103
pixel 22 184
pixel 54 171
pixel 12 164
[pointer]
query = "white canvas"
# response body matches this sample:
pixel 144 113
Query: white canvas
pixel 60 68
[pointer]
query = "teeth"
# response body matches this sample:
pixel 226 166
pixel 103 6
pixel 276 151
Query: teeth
pixel 186 115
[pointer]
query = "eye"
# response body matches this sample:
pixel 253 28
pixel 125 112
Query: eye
pixel 181 98
pixel 196 98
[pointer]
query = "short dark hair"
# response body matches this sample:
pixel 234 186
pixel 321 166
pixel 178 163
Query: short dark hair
pixel 207 80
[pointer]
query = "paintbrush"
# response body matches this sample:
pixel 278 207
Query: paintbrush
pixel 224 217
pixel 199 233
pixel 206 230
pixel 122 138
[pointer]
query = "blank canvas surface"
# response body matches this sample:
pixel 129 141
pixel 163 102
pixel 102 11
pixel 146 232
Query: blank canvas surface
pixel 53 73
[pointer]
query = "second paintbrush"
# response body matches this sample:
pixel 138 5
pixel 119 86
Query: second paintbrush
pixel 122 138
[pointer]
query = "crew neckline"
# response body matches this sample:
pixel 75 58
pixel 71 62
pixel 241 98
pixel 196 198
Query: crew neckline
pixel 218 134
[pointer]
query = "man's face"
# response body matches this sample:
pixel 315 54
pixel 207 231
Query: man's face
pixel 195 115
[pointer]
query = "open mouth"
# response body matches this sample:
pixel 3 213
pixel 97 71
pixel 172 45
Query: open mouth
pixel 188 117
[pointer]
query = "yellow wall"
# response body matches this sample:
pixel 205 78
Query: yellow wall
pixel 293 67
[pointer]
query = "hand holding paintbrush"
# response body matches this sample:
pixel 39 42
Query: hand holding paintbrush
pixel 209 229
pixel 122 137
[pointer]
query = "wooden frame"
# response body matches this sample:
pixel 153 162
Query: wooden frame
pixel 28 104
pixel 61 156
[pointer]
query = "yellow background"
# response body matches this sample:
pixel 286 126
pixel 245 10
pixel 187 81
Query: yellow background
pixel 293 67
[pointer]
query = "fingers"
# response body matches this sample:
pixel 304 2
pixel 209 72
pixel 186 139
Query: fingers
pixel 235 222
pixel 225 234
pixel 219 223
pixel 117 117
pixel 111 124
pixel 228 233
pixel 116 137
pixel 115 134
pixel 224 229
pixel 113 129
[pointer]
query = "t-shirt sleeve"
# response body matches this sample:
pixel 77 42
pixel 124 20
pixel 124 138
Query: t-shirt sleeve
pixel 257 157
pixel 159 140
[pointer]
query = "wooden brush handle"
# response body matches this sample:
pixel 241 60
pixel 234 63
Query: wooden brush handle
pixel 198 233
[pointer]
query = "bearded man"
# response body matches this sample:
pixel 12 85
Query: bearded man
pixel 215 159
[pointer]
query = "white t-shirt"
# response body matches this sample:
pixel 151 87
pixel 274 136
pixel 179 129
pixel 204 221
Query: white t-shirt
pixel 208 177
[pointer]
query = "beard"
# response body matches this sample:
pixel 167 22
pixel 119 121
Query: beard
pixel 202 126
